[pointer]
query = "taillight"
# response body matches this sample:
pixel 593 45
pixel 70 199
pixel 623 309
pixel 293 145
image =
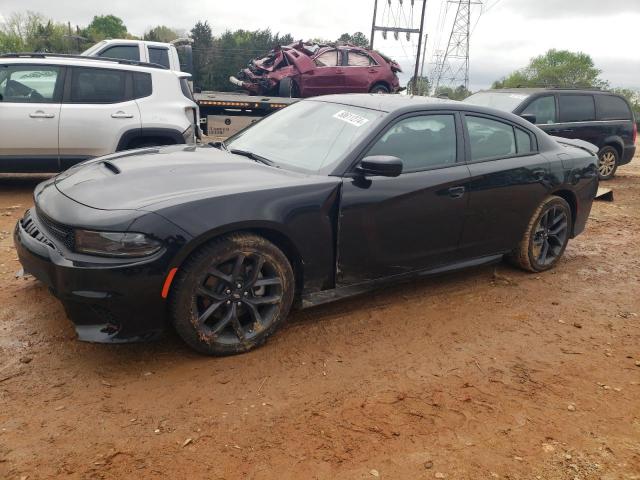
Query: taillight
pixel 635 132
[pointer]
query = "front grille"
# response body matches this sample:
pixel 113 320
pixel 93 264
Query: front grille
pixel 60 232
pixel 34 231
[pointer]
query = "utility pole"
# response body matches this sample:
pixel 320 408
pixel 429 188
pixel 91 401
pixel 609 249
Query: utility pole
pixel 415 74
pixel 373 23
pixel 424 51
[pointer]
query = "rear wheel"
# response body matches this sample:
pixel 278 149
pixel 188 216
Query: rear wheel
pixel 546 237
pixel 379 88
pixel 607 163
pixel 232 294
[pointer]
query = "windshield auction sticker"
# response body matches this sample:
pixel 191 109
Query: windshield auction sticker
pixel 352 118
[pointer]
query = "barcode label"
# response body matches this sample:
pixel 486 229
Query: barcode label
pixel 351 118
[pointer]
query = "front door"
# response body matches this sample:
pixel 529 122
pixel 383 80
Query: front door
pixel 29 116
pixel 326 78
pixel 96 112
pixel 391 226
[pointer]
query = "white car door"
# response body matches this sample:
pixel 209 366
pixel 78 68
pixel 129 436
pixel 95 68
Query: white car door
pixel 97 110
pixel 29 116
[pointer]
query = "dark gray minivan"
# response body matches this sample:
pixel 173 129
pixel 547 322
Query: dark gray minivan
pixel 598 117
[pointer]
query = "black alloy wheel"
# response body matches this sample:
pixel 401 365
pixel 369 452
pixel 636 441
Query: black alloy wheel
pixel 232 295
pixel 546 237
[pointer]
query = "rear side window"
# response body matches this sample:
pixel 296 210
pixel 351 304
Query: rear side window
pixel 28 83
pixel 124 52
pixel 577 108
pixel 186 90
pixel 142 86
pixel 159 56
pixel 97 85
pixel 544 109
pixel 357 59
pixel 490 138
pixel 612 108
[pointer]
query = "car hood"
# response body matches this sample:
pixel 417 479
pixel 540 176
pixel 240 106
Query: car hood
pixel 142 178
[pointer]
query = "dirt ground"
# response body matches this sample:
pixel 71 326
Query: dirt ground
pixel 488 373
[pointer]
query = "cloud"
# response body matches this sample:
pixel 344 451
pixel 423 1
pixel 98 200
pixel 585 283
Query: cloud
pixel 569 8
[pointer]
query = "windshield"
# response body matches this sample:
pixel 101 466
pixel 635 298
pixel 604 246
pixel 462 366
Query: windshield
pixel 308 136
pixel 506 101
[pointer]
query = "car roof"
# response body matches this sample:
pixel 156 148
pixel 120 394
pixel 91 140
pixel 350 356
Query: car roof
pixel 79 61
pixel 384 102
pixel 534 90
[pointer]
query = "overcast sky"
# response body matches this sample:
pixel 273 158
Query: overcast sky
pixel 506 36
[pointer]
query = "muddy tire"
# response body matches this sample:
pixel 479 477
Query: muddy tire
pixel 545 238
pixel 232 294
pixel 608 159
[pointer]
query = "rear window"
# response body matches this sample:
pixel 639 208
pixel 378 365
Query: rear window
pixel 612 108
pixel 97 85
pixel 505 101
pixel 142 86
pixel 159 55
pixel 124 52
pixel 577 108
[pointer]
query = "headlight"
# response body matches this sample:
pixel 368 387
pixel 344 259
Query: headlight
pixel 115 244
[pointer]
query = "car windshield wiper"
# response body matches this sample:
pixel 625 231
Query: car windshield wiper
pixel 218 145
pixel 253 156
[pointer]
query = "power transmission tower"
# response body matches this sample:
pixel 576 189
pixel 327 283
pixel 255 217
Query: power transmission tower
pixel 402 23
pixel 452 67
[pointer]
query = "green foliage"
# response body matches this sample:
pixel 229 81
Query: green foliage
pixel 106 26
pixel 161 33
pixel 420 87
pixel 556 68
pixel 31 32
pixel 359 39
pixel 459 93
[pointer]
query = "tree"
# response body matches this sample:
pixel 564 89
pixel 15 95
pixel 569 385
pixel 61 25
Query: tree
pixel 161 33
pixel 202 50
pixel 106 26
pixel 421 87
pixel 557 68
pixel 459 93
pixel 359 39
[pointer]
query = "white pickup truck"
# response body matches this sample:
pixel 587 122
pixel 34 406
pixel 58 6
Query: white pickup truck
pixel 165 54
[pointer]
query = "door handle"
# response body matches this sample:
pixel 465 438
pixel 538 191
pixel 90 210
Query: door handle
pixel 41 114
pixel 457 192
pixel 121 115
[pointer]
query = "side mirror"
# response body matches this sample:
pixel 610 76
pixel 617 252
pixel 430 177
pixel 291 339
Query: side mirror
pixel 380 166
pixel 529 117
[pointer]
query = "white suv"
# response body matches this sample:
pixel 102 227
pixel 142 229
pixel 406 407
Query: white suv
pixel 58 110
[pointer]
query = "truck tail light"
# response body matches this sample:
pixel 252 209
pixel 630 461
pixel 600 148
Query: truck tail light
pixel 635 132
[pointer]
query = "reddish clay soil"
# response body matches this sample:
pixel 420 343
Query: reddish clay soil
pixel 488 373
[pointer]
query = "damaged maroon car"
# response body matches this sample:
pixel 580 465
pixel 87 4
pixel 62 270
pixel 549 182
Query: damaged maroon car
pixel 308 70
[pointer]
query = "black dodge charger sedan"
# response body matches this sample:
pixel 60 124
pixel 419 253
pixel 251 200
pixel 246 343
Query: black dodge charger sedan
pixel 329 197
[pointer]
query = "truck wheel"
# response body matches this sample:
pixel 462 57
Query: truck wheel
pixel 288 88
pixel 232 294
pixel 607 163
pixel 546 237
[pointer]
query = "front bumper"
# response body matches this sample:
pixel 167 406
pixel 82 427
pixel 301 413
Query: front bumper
pixel 108 300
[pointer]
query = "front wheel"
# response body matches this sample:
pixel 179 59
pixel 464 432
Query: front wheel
pixel 607 163
pixel 232 294
pixel 546 237
pixel 379 88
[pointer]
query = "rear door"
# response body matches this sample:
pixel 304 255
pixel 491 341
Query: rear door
pixel 359 69
pixel 391 226
pixel 97 109
pixel 509 179
pixel 577 118
pixel 29 115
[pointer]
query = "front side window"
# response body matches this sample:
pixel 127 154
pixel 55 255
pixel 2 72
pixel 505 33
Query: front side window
pixel 309 136
pixel 159 56
pixel 328 59
pixel 28 83
pixel 577 108
pixel 97 85
pixel 358 59
pixel 544 109
pixel 123 52
pixel 612 108
pixel 490 138
pixel 421 143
